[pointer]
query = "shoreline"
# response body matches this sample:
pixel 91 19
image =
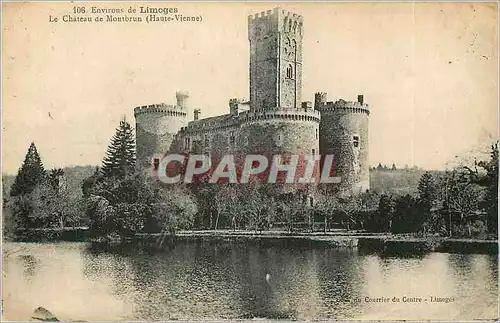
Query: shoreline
pixel 365 242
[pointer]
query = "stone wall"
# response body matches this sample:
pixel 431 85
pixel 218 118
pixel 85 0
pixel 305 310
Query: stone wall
pixel 344 133
pixel 156 129
pixel 281 137
pixel 275 59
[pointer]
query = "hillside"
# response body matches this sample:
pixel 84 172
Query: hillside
pixel 74 176
pixel 398 182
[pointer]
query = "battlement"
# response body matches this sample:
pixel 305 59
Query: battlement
pixel 342 105
pixel 321 104
pixel 263 15
pixel 162 108
pixel 181 94
pixel 273 13
pixel 280 113
pixel 279 16
pixel 238 100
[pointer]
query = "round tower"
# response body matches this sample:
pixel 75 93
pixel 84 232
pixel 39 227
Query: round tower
pixel 281 132
pixel 344 133
pixel 156 128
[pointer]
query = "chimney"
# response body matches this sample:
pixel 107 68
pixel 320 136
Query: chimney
pixel 360 99
pixel 197 113
pixel 233 106
pixel 307 105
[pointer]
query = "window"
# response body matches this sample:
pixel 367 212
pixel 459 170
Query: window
pixel 316 133
pixel 156 163
pixel 289 71
pixel 314 151
pixel 246 141
pixel 279 139
pixel 207 142
pixel 355 141
pixel 232 139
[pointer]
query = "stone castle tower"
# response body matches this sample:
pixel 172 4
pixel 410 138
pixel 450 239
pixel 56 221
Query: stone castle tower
pixel 275 59
pixel 156 127
pixel 279 124
pixel 344 133
pixel 275 121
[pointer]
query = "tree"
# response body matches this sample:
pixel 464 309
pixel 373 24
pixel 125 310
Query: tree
pixel 174 208
pixel 466 188
pixel 120 206
pixel 46 207
pixel 18 209
pixel 427 191
pixel 225 201
pixel 326 207
pixel 292 211
pixel 368 207
pixel 30 174
pixel 427 196
pixel 462 201
pixel 100 213
pixel 382 219
pixel 138 204
pixel 90 182
pixel 120 155
pixel 349 208
pixel 393 166
pixel 257 207
pixel 406 218
pixel 55 177
pixel 490 181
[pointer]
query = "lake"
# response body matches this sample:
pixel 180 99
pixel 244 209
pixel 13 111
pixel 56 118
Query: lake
pixel 200 280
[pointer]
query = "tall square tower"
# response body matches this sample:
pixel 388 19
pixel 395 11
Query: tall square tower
pixel 275 59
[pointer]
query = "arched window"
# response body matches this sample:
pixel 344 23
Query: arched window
pixel 289 71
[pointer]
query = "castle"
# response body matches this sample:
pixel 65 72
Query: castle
pixel 274 120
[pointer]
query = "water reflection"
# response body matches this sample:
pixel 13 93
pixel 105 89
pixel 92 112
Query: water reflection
pixel 228 280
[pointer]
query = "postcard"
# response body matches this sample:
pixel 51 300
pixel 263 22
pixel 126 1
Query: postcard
pixel 195 161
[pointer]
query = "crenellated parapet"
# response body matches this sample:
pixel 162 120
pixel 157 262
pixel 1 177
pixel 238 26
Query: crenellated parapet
pixel 280 114
pixel 162 108
pixel 284 20
pixel 345 106
pixel 328 107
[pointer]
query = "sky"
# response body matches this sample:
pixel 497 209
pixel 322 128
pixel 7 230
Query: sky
pixel 429 72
